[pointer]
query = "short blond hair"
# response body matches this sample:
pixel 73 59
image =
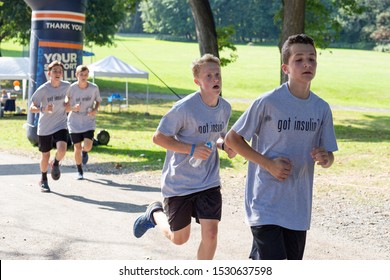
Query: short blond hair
pixel 197 64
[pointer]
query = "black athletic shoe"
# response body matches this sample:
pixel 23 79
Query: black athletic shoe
pixel 55 171
pixel 44 186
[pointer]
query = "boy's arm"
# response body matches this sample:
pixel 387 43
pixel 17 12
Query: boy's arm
pixel 170 143
pixel 280 168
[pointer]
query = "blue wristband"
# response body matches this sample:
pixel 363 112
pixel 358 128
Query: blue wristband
pixel 192 150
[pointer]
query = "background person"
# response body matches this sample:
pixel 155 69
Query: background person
pixel 84 98
pixel 49 101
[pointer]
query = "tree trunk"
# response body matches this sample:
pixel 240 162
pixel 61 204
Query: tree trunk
pixel 205 27
pixel 293 23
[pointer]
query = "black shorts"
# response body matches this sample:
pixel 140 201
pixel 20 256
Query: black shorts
pixel 47 142
pixel 271 242
pixel 79 137
pixel 201 205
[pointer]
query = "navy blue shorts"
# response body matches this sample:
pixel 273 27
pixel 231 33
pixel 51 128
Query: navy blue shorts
pixel 271 242
pixel 201 205
pixel 47 142
pixel 79 137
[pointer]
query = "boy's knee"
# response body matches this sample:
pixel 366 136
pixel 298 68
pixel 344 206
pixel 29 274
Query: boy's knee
pixel 180 240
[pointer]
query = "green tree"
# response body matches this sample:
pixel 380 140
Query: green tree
pixel 382 32
pixel 103 18
pixel 171 17
pixel 15 21
pixel 253 22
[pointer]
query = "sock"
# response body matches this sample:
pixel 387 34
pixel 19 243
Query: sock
pixel 79 168
pixel 44 176
pixel 56 162
pixel 84 152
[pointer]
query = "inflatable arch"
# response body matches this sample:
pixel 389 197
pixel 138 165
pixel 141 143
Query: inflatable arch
pixel 56 34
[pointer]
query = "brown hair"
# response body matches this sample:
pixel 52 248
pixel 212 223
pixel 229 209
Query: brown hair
pixel 55 63
pixel 197 64
pixel 81 68
pixel 294 39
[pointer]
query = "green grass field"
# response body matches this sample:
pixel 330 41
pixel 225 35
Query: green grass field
pixel 349 78
pixel 344 77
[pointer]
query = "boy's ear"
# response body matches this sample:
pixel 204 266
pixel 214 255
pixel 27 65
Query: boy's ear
pixel 285 69
pixel 196 81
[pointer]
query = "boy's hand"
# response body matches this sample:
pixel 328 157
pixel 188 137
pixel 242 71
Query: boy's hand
pixel 321 156
pixel 76 108
pixel 67 107
pixel 229 151
pixel 92 113
pixel 280 168
pixel 202 152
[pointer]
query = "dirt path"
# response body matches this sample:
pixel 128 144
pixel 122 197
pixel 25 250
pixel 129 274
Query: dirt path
pixel 92 219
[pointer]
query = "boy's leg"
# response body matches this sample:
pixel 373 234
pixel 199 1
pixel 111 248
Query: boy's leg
pixel 173 219
pixel 177 237
pixel 77 153
pixel 295 241
pixel 61 150
pixel 208 244
pixel 77 158
pixel 44 164
pixel 61 140
pixel 87 145
pixel 208 209
pixel 269 241
pixel 76 140
pixel 45 145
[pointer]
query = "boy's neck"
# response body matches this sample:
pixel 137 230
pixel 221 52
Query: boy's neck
pixel 299 90
pixel 55 83
pixel 209 99
pixel 82 85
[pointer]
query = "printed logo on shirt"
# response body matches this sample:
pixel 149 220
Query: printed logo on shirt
pixel 298 125
pixel 78 99
pixel 54 98
pixel 211 127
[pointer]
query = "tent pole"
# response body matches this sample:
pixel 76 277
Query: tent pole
pixel 147 96
pixel 127 93
pixel 24 87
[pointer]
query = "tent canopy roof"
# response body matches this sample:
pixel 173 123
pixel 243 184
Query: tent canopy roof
pixel 14 68
pixel 114 67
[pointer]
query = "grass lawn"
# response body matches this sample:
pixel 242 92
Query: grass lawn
pixel 349 78
pixel 344 77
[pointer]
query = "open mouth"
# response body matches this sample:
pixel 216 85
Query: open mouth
pixel 216 87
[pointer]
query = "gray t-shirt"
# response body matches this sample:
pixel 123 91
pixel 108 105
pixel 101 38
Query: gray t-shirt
pixel 49 123
pixel 192 121
pixel 281 125
pixel 79 122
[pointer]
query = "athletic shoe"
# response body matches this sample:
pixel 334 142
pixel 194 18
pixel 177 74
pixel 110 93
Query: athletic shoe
pixel 80 176
pixel 44 186
pixel 55 171
pixel 145 222
pixel 84 157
